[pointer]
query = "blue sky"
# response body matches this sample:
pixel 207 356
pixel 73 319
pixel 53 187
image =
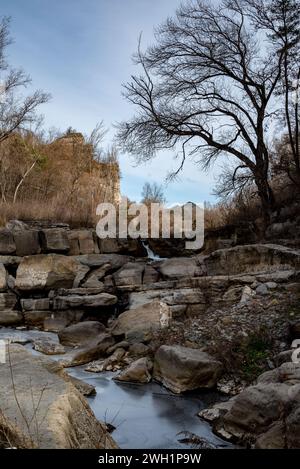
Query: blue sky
pixel 81 52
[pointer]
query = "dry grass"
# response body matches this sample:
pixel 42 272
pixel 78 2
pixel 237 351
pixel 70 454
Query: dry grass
pixel 55 210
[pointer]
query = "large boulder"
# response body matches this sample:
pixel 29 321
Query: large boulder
pixel 7 244
pixel 180 267
pixel 3 278
pixel 56 416
pixel 137 372
pixel 81 333
pixel 139 324
pixel 54 240
pixel 183 369
pixel 89 352
pixel 46 272
pixel 255 410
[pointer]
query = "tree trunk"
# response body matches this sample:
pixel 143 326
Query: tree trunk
pixel 267 198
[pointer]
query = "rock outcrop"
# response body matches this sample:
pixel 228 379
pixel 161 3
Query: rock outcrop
pixel 265 415
pixel 252 258
pixel 56 416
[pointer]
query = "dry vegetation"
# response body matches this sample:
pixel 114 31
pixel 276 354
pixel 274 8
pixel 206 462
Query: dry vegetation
pixel 62 178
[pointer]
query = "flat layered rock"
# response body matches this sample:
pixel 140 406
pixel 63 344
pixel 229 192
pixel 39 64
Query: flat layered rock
pixel 84 301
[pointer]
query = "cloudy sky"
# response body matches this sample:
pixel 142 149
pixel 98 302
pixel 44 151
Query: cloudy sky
pixel 80 52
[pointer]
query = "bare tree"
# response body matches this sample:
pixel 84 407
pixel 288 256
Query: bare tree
pixel 281 20
pixel 16 111
pixel 209 86
pixel 153 193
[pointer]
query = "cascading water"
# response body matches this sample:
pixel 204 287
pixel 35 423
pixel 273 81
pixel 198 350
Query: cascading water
pixel 151 254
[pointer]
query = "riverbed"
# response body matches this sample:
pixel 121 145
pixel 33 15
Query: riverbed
pixel 145 416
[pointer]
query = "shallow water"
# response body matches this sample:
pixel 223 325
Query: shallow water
pixel 145 416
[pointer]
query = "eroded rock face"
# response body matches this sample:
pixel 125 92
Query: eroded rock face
pixel 46 272
pixel 251 258
pixel 65 420
pixel 137 372
pixel 81 333
pixel 183 369
pixel 139 324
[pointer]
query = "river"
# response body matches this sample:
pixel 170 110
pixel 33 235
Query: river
pixel 145 416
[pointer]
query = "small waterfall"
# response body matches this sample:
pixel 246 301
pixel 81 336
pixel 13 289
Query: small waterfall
pixel 151 254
